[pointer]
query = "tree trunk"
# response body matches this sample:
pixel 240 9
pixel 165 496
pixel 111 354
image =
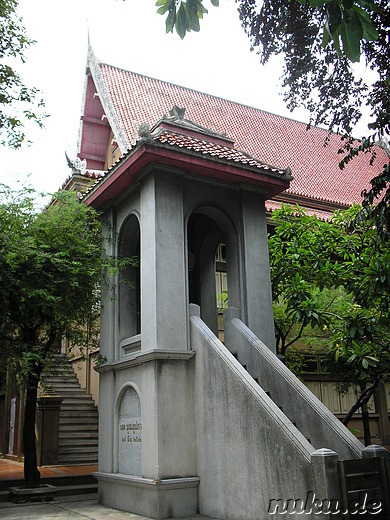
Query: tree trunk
pixel 366 420
pixel 31 472
pixel 366 393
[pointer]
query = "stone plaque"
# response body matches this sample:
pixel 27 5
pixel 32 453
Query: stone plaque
pixel 130 434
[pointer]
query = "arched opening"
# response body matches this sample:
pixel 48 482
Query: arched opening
pixel 130 433
pixel 129 283
pixel 213 269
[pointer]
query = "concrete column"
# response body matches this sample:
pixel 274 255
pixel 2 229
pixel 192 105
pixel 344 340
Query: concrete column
pixel 106 420
pixel 207 280
pixel 108 318
pixel 163 273
pixel 326 485
pixel 47 428
pixel 374 450
pixel 256 267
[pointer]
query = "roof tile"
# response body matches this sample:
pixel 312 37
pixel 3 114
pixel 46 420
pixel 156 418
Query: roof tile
pixel 270 138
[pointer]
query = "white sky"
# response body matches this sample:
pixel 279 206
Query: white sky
pixel 131 35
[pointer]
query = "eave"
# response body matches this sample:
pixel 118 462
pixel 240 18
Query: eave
pixel 149 153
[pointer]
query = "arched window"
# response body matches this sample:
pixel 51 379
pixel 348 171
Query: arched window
pixel 129 286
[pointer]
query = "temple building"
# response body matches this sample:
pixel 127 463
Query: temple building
pixel 191 404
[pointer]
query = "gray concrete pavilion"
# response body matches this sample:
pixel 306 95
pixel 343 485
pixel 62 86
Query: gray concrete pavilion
pixel 185 428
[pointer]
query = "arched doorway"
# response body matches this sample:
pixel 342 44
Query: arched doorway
pixel 212 235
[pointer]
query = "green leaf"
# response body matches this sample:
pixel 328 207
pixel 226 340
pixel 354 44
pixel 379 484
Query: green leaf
pixel 325 37
pixel 334 17
pixel 318 3
pixel 351 34
pixel 163 9
pixel 369 5
pixel 170 21
pixel 369 31
pixel 181 21
pixel 215 3
pixel 201 10
pixel 348 4
pixel 192 15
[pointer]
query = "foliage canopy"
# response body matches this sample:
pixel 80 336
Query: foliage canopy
pixel 337 281
pixel 50 271
pixel 18 103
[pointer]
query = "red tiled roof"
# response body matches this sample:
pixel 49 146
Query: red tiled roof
pixel 273 205
pixel 214 150
pixel 270 138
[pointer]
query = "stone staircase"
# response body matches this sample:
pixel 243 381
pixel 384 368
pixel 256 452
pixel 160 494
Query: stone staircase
pixel 78 423
pixel 256 379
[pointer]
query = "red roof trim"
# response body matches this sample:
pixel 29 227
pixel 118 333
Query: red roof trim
pixel 148 153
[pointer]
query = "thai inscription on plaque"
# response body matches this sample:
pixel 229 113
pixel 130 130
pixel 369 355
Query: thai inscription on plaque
pixel 130 434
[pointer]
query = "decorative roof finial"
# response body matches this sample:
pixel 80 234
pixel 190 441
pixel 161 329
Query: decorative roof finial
pixel 177 112
pixel 144 131
pixel 77 165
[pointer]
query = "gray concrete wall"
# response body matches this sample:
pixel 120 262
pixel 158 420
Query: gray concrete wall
pixel 247 452
pixel 312 417
pixel 167 484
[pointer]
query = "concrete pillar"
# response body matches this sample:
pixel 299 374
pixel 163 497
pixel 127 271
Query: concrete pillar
pixel 207 280
pixel 47 428
pixel 326 485
pixel 108 320
pixel 256 266
pixel 163 270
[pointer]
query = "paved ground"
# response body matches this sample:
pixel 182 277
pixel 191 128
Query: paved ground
pixel 61 508
pixel 11 470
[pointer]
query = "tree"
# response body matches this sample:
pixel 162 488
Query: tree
pixel 19 103
pixel 319 40
pixel 49 285
pixel 309 258
pixel 184 16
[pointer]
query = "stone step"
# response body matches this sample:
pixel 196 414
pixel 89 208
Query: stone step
pixel 82 405
pixel 81 410
pixel 73 426
pixel 69 387
pixel 73 393
pixel 78 458
pixel 53 379
pixel 58 370
pixel 64 450
pixel 78 419
pixel 81 441
pixel 77 434
pixel 77 490
pixel 77 400
pixel 67 486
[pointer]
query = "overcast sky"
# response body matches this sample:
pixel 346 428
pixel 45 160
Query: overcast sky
pixel 128 34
